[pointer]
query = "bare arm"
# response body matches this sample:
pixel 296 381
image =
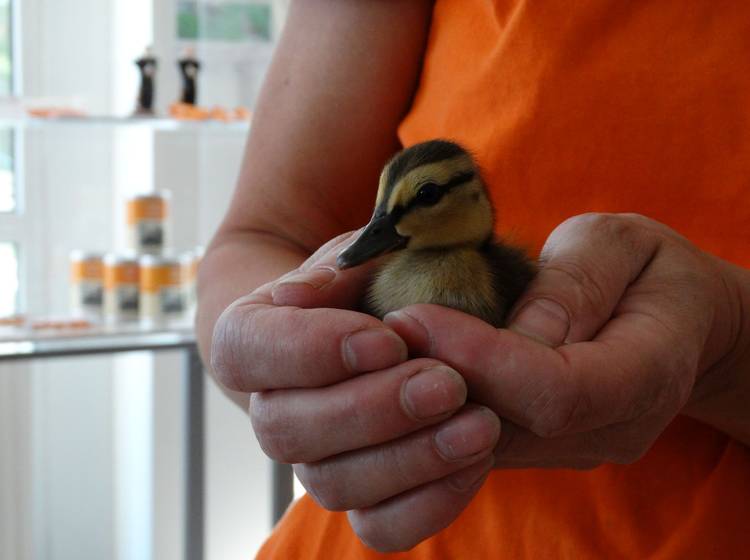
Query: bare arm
pixel 341 79
pixel 328 387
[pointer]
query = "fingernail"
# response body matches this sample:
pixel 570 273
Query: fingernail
pixel 412 330
pixel 543 320
pixel 286 292
pixel 317 278
pixel 472 476
pixel 433 391
pixel 470 432
pixel 373 349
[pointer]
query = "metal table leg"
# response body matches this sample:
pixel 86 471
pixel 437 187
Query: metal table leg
pixel 193 428
pixel 282 481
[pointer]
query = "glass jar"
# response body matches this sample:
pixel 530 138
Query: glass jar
pixel 121 288
pixel 86 284
pixel 148 222
pixel 163 296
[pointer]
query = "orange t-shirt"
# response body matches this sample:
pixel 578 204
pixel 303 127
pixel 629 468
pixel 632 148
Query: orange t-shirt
pixel 572 107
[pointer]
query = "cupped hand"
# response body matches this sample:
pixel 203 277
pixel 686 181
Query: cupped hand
pixel 611 340
pixel 390 440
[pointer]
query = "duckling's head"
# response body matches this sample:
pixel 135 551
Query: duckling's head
pixel 431 196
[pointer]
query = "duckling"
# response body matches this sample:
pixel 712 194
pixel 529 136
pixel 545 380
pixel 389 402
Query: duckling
pixel 433 228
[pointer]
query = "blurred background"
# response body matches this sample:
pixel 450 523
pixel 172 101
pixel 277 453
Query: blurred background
pixel 91 447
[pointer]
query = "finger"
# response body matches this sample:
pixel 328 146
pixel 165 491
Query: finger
pixel 324 257
pixel 587 263
pixel 323 286
pixel 368 476
pixel 319 282
pixel 306 425
pixel 402 522
pixel 630 368
pixel 327 253
pixel 257 347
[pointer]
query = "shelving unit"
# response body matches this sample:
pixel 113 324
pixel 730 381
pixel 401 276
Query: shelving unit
pixel 76 173
pixel 155 123
pixel 24 344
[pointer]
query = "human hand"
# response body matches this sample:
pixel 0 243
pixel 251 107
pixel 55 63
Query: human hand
pixel 392 441
pixel 623 327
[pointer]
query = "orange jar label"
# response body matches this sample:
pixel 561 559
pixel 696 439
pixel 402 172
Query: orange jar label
pixel 154 278
pixel 119 274
pixel 91 269
pixel 146 208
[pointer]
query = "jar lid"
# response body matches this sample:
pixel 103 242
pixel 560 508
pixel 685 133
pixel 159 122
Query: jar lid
pixel 112 259
pixel 79 255
pixel 150 261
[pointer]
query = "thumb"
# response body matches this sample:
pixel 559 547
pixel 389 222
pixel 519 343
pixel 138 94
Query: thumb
pixel 587 264
pixel 319 283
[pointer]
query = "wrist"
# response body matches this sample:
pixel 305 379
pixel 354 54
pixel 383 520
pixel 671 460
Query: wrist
pixel 721 393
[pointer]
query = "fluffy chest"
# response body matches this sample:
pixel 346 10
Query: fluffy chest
pixel 460 278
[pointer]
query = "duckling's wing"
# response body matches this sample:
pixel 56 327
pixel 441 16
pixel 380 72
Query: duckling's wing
pixel 512 270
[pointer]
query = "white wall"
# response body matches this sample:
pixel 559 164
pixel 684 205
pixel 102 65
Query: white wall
pixel 69 418
pixel 68 433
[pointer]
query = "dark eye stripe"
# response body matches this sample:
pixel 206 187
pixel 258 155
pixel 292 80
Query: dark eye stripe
pixel 398 211
pixel 459 179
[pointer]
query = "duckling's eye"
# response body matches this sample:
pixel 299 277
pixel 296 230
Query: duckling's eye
pixel 427 195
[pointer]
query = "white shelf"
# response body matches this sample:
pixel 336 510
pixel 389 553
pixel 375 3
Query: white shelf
pixel 153 123
pixel 19 343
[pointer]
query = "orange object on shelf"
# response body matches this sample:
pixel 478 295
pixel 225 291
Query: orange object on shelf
pixel 60 324
pixel 12 321
pixel 119 271
pixel 121 281
pixel 242 114
pixel 147 219
pixel 157 273
pixel 86 281
pixel 219 114
pixel 146 207
pixel 187 112
pixel 85 267
pixel 54 112
pixel 163 293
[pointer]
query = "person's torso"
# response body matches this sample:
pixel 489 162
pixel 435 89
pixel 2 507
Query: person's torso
pixel 573 107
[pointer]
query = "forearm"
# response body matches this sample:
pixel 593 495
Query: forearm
pixel 341 80
pixel 721 396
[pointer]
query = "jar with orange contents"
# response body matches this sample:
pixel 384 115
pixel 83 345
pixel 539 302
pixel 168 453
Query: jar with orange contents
pixel 148 222
pixel 162 289
pixel 86 284
pixel 121 288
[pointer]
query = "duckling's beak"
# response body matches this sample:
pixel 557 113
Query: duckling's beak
pixel 380 236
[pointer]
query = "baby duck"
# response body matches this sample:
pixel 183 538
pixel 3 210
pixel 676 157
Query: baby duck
pixel 433 226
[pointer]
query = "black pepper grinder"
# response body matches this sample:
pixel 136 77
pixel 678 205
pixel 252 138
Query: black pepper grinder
pixel 147 65
pixel 189 67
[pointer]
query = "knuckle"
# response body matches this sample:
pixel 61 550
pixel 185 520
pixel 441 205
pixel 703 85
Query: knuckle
pixel 624 229
pixel 275 429
pixel 588 285
pixel 582 225
pixel 226 362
